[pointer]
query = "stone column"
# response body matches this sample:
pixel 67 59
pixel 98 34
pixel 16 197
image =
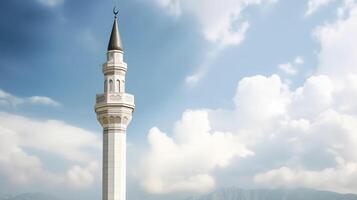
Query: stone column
pixel 114 164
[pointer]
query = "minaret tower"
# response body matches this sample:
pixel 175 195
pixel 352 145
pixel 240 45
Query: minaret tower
pixel 114 109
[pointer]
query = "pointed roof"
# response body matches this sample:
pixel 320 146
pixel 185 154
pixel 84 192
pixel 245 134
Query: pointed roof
pixel 115 41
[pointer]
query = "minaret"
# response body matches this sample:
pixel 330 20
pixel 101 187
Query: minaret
pixel 114 109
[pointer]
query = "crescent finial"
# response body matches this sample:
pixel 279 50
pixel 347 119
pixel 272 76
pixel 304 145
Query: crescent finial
pixel 115 11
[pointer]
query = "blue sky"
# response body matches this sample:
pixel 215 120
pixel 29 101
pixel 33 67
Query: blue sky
pixel 263 92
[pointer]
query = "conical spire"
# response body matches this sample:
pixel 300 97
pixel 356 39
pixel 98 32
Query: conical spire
pixel 115 41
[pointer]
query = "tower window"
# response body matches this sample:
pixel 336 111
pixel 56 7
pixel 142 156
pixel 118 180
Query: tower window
pixel 119 89
pixel 111 85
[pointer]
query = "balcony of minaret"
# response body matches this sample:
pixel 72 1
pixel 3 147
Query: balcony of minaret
pixel 115 98
pixel 114 110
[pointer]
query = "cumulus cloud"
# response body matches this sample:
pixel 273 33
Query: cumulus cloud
pixel 295 137
pixel 315 96
pixel 267 115
pixel 19 134
pixel 337 56
pixel 184 162
pixel 327 102
pixel 260 98
pixel 341 178
pixel 82 177
pixel 11 100
pixel 314 5
pixel 318 138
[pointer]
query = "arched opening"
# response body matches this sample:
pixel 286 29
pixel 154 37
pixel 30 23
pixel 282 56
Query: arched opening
pixel 105 86
pixel 111 85
pixel 119 86
pixel 122 89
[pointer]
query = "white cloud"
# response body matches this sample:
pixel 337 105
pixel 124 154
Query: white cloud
pixel 19 134
pixel 222 23
pixel 345 8
pixel 341 178
pixel 314 97
pixel 315 125
pixel 260 98
pixel 185 161
pixel 50 3
pixel 337 56
pixel 299 60
pixel 210 57
pixel 331 134
pixel 81 177
pixel 42 101
pixel 172 6
pixel 11 100
pixel 327 102
pixel 303 137
pixel 288 68
pixel 291 68
pixel 308 124
pixel 314 5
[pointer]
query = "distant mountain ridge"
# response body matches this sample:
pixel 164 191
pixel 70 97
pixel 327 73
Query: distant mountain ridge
pixel 231 194
pixel 29 196
pixel 274 194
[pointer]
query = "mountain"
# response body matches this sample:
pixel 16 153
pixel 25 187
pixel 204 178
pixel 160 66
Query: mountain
pixel 29 196
pixel 274 194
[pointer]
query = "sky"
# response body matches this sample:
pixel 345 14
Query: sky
pixel 242 93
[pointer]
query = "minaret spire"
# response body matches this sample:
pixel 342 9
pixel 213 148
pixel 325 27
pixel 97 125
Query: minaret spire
pixel 115 41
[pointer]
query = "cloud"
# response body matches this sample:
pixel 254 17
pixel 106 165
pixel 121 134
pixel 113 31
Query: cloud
pixel 313 131
pixel 327 102
pixel 50 3
pixel 185 161
pixel 11 100
pixel 42 101
pixel 260 98
pixel 211 56
pixel 315 96
pixel 82 177
pixel 341 178
pixel 308 123
pixel 314 5
pixel 291 68
pixel 19 136
pixel 288 68
pixel 268 116
pixel 171 6
pixel 289 137
pixel 222 23
pixel 337 56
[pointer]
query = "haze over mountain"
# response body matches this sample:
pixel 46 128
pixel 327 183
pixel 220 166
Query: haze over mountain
pixel 274 194
pixel 229 194
pixel 29 196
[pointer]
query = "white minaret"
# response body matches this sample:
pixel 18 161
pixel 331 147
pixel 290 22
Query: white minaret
pixel 114 109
